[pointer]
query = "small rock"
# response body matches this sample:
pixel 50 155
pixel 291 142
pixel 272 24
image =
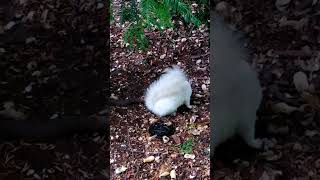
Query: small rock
pixel 162 56
pixel 165 139
pixel 173 174
pixel 31 65
pixel 198 61
pixel 166 173
pixel 10 25
pixel 113 96
pixel 192 176
pixel 30 40
pixel 207 151
pixel 149 159
pixel 189 156
pixel 36 176
pixel 28 88
pixel 300 81
pixel 203 87
pixel 195 132
pixel 169 123
pixel 283 108
pixel 30 172
pixel 157 159
pixel 54 116
pixel 120 170
pixel 193 119
pixel 152 120
pixel 183 39
pixel 36 73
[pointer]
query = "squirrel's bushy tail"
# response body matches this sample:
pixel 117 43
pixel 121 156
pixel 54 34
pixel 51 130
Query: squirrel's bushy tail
pixel 226 44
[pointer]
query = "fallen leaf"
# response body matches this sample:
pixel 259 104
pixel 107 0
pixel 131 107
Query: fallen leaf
pixel 312 100
pixel 300 81
pixel 283 108
pixel 282 5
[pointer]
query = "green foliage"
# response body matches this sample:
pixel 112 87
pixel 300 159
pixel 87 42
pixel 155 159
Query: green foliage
pixel 155 14
pixel 135 35
pixel 186 147
pixel 128 11
pixel 203 14
pixel 183 10
pixel 158 14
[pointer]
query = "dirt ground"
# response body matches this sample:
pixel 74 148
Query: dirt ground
pixel 285 47
pixel 131 73
pixel 49 50
pixel 38 41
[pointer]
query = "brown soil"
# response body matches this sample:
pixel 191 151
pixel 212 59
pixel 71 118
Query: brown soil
pixel 131 73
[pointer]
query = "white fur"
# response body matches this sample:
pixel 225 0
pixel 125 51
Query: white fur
pixel 170 91
pixel 236 89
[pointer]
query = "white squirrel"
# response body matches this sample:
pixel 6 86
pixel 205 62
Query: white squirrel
pixel 170 91
pixel 236 89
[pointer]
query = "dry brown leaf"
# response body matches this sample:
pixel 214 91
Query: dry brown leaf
pixel 300 81
pixel 312 100
pixel 270 175
pixel 298 25
pixel 282 5
pixel 284 108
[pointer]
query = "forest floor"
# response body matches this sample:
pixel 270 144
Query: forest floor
pixel 49 50
pixel 286 54
pixel 132 71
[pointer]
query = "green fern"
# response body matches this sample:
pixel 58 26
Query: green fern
pixel 134 35
pixel 128 11
pixel 186 147
pixel 183 10
pixel 148 14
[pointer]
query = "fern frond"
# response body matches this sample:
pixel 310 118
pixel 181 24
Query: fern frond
pixel 135 35
pixel 183 10
pixel 152 13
